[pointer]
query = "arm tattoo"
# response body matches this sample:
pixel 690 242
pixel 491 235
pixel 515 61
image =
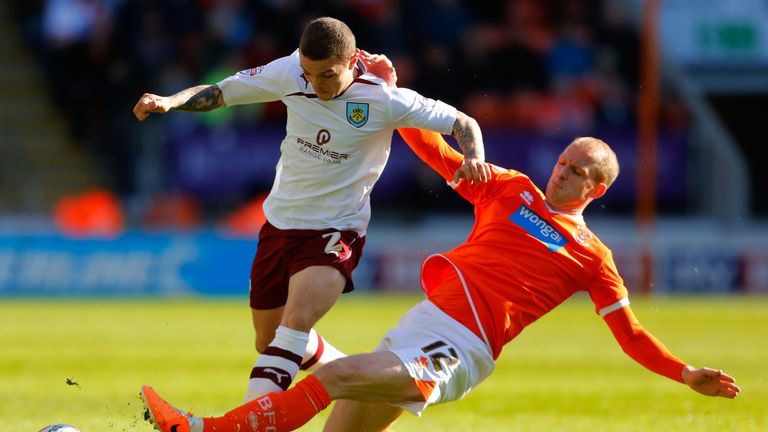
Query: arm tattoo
pixel 468 136
pixel 200 98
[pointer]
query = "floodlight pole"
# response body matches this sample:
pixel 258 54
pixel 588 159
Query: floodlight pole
pixel 647 142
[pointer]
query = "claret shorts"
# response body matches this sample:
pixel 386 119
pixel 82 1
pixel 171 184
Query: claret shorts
pixel 283 253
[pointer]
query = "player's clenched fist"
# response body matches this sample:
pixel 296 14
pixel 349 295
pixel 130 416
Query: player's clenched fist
pixel 149 103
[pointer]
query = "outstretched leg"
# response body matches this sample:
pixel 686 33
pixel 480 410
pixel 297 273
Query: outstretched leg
pixel 354 416
pixel 374 377
pixel 427 359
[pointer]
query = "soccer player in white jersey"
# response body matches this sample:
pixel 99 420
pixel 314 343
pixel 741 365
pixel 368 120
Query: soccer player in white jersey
pixel 338 136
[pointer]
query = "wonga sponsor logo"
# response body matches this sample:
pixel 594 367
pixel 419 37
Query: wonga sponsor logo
pixel 534 225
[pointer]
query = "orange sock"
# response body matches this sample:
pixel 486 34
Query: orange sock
pixel 275 412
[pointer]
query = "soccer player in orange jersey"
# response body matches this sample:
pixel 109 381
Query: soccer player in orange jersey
pixel 527 253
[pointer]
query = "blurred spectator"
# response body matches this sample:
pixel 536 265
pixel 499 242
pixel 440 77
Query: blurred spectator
pixel 246 220
pixel 566 66
pixel 94 213
pixel 172 210
pixel 571 56
pixel 74 37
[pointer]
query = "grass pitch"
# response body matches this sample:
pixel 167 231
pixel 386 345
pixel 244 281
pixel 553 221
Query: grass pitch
pixel 83 362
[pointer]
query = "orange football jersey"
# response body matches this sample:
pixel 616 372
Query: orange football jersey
pixel 522 259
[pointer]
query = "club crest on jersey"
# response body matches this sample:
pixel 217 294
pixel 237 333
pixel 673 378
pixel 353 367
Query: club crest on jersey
pixel 357 113
pixel 536 226
pixel 582 235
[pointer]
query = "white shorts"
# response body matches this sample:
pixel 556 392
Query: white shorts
pixel 445 358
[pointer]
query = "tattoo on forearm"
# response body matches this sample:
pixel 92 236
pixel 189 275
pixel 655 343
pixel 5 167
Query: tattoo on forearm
pixel 468 137
pixel 200 98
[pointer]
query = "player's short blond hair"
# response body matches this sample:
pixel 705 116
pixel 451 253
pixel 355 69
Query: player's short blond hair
pixel 606 166
pixel 327 37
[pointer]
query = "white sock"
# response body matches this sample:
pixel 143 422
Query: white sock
pixel 195 424
pixel 319 352
pixel 278 365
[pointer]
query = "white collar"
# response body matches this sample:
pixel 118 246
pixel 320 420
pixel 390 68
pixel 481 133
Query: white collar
pixel 578 218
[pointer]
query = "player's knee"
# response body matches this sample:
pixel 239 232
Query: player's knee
pixel 330 372
pixel 300 319
pixel 340 370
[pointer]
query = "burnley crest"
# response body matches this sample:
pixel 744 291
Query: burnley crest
pixel 357 113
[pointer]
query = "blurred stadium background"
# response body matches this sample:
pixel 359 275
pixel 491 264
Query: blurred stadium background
pixel 94 202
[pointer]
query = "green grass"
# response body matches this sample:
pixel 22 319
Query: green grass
pixel 564 373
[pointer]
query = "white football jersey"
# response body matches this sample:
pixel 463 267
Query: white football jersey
pixel 334 151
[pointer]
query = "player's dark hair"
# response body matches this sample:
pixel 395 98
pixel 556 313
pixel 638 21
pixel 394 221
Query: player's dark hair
pixel 327 37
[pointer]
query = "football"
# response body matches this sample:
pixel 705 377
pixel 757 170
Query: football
pixel 59 427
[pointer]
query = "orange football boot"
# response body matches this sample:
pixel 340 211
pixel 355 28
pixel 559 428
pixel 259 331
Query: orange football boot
pixel 163 416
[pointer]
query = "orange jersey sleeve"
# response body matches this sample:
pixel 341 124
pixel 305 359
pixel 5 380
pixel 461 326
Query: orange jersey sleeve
pixel 642 346
pixel 432 148
pixel 435 151
pixel 606 289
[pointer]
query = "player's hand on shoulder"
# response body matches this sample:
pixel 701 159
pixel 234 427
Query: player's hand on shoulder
pixel 710 382
pixel 149 103
pixel 473 170
pixel 379 65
